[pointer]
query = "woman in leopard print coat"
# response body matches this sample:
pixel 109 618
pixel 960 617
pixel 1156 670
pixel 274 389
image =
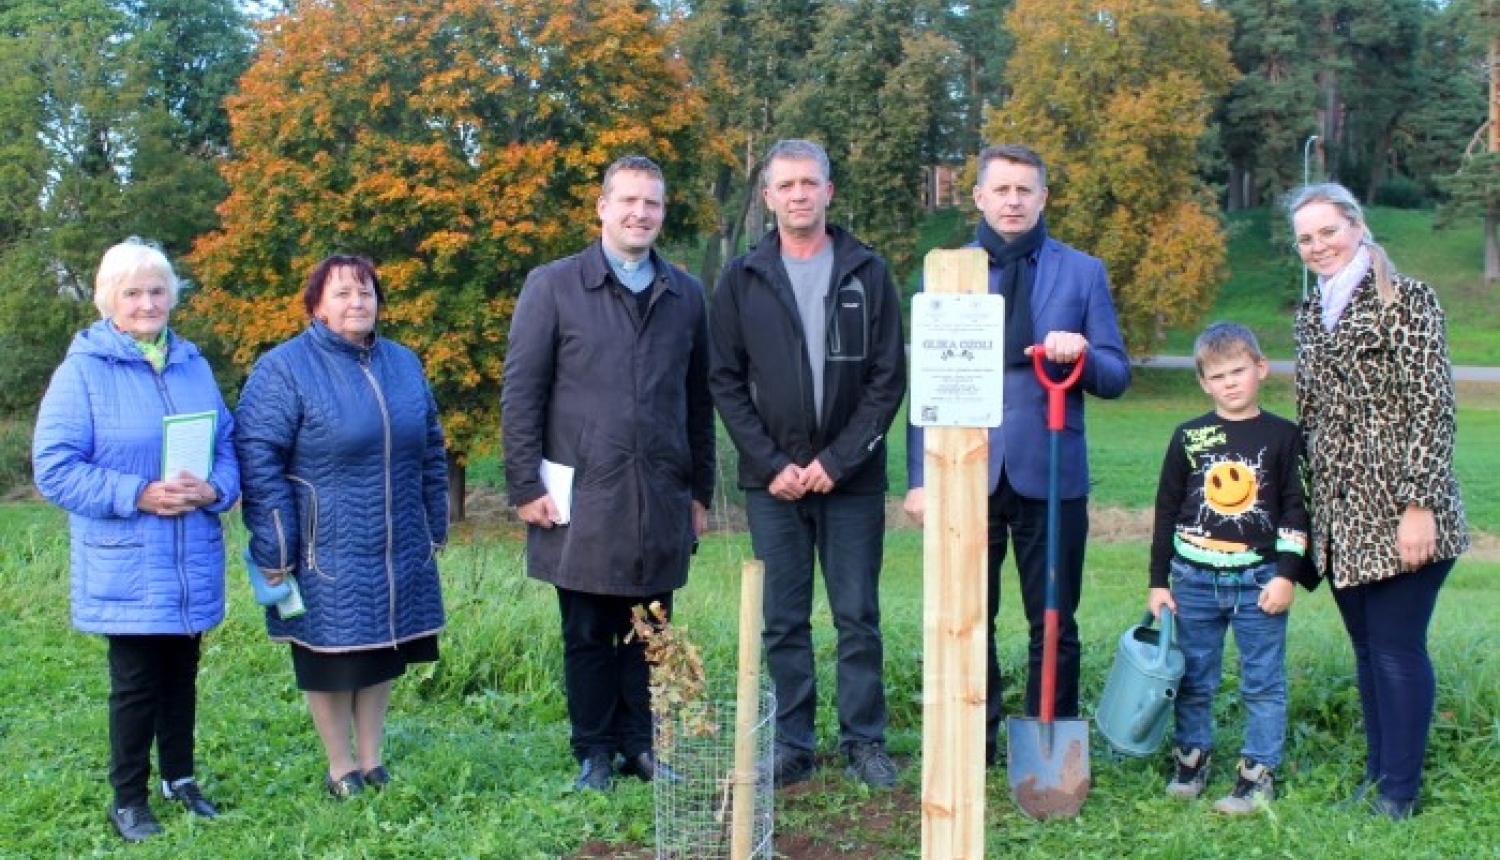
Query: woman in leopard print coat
pixel 1375 398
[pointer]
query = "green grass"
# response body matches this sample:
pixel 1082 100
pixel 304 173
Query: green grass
pixel 1128 437
pixel 479 742
pixel 1265 280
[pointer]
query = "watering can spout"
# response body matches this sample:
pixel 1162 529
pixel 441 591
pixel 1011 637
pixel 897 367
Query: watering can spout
pixel 1150 713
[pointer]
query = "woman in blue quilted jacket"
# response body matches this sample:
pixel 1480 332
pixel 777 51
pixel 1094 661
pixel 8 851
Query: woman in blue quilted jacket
pixel 346 490
pixel 147 548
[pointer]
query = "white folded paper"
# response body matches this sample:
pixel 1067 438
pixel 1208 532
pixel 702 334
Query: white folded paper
pixel 558 479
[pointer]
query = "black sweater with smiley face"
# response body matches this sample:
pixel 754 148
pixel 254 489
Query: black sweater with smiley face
pixel 1231 496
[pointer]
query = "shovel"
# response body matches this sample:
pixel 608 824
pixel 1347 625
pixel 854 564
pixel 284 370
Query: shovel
pixel 1049 758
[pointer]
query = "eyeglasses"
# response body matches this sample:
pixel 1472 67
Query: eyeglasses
pixel 1324 235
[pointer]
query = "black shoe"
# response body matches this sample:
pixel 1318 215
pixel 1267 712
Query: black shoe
pixel 790 768
pixel 642 766
pixel 597 775
pixel 345 786
pixel 870 764
pixel 377 777
pixel 134 823
pixel 191 797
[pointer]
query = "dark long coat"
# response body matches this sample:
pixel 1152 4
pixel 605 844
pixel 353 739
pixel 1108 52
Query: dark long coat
pixel 622 398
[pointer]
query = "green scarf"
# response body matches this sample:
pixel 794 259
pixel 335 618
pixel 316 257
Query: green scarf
pixel 155 351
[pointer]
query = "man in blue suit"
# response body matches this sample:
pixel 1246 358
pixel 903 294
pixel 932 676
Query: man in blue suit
pixel 1059 297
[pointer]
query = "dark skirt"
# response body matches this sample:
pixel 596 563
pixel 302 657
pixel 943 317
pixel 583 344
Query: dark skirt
pixel 321 672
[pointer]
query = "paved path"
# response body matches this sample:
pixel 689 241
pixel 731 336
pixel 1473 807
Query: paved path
pixel 1464 373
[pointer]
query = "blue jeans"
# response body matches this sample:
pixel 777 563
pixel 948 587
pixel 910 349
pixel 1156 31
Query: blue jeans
pixel 847 533
pixel 1387 623
pixel 1209 603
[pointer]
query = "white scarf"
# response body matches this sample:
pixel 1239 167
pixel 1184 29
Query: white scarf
pixel 1338 289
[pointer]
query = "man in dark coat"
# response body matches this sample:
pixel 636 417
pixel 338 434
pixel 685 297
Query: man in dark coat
pixel 809 369
pixel 609 454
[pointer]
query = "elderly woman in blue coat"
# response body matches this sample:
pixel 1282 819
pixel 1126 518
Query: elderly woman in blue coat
pixel 147 548
pixel 346 490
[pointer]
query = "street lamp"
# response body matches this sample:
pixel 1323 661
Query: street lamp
pixel 1306 154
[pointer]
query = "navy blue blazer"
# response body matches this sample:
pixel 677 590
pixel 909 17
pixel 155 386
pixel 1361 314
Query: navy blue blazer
pixel 1070 293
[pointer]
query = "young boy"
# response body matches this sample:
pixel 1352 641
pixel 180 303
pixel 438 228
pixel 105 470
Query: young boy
pixel 1230 533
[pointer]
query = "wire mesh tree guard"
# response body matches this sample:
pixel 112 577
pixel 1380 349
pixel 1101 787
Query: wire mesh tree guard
pixel 696 780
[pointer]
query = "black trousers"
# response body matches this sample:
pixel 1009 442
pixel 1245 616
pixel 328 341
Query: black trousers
pixel 153 693
pixel 1022 522
pixel 607 679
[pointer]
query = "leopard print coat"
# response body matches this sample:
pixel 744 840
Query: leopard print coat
pixel 1375 399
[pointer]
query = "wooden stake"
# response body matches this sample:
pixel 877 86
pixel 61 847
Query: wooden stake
pixel 955 546
pixel 747 711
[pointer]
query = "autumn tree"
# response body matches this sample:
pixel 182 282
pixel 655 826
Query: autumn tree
pixel 458 143
pixel 1116 99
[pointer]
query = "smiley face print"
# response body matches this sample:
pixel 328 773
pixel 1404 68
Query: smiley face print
pixel 1230 491
pixel 1229 488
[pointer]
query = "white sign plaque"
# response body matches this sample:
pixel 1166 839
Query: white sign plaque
pixel 957 359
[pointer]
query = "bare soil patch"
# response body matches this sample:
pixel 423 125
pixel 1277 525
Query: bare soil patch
pixel 874 825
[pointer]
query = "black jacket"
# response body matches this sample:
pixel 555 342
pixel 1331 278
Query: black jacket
pixel 623 398
pixel 762 383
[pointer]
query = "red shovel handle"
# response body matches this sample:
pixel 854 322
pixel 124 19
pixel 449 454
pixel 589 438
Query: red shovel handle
pixel 1056 403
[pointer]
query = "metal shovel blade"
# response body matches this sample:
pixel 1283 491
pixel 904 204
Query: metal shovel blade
pixel 1048 765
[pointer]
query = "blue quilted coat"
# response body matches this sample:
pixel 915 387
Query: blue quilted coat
pixel 98 443
pixel 346 483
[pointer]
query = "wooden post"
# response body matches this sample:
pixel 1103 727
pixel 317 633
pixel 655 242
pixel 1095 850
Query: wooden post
pixel 747 711
pixel 954 614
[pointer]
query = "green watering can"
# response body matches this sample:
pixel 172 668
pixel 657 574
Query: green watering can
pixel 1142 685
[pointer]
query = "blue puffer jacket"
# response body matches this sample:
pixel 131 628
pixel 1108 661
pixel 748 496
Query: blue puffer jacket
pixel 98 443
pixel 346 483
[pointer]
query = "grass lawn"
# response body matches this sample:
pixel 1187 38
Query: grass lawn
pixel 479 747
pixel 1265 280
pixel 478 742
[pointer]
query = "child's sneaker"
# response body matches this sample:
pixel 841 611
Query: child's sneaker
pixel 1254 787
pixel 1192 772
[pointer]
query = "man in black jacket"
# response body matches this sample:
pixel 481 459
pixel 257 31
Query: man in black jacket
pixel 606 374
pixel 808 369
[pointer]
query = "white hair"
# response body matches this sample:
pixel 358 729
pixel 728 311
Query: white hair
pixel 124 263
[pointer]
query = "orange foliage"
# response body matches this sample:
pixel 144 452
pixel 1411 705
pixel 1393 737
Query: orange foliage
pixel 458 143
pixel 1116 99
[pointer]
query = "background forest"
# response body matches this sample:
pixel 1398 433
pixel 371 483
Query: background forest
pixel 459 143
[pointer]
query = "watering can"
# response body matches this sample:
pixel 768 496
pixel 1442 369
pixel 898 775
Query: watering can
pixel 1142 685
